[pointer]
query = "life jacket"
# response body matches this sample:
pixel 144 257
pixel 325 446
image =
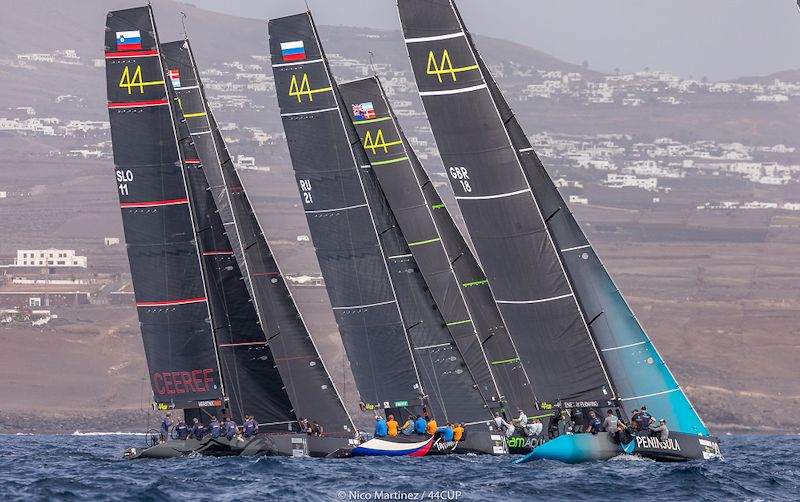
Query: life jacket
pixel 431 427
pixel 182 431
pixel 420 425
pixel 391 426
pixel 457 433
pixel 249 428
pixel 215 429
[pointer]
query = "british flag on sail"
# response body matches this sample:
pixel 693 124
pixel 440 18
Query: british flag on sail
pixel 175 78
pixel 129 40
pixel 364 111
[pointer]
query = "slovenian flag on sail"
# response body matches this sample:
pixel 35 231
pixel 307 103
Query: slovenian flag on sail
pixel 364 111
pixel 175 78
pixel 129 40
pixel 293 51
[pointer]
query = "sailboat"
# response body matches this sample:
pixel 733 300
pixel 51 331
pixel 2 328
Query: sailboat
pixel 576 336
pixel 402 350
pixel 451 271
pixel 222 334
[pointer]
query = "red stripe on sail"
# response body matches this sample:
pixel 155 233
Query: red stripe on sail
pixel 128 54
pixel 155 203
pixel 192 161
pixel 132 104
pixel 171 302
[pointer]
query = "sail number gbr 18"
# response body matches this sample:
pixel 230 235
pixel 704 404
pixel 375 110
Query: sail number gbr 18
pixel 461 175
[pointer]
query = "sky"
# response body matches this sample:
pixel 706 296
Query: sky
pixel 718 39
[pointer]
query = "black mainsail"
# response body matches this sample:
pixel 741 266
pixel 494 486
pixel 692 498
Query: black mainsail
pixel 505 223
pixel 640 375
pixel 165 262
pixel 451 271
pixel 302 371
pixel 395 337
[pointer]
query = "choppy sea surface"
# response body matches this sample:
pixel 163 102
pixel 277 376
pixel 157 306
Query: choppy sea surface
pixel 90 467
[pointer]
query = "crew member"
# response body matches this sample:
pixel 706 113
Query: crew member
pixel 578 421
pixel 458 432
pixel 166 425
pixel 660 431
pixel 534 428
pixel 198 429
pixel 446 431
pixel 431 426
pixel 594 423
pixel 380 427
pixel 249 427
pixel 523 419
pixel 623 435
pixel 420 424
pixel 181 430
pixel 610 423
pixel 501 424
pixel 644 419
pixel 564 423
pixel 316 429
pixel 408 427
pixel 304 426
pixel 215 427
pixel 392 425
pixel 230 428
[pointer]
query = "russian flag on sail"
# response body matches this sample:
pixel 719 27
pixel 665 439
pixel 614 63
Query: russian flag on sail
pixel 175 78
pixel 293 51
pixel 129 40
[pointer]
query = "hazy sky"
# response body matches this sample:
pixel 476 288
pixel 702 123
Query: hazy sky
pixel 720 39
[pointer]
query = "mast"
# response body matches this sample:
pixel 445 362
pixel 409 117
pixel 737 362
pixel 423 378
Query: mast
pixel 395 340
pixel 451 272
pixel 165 262
pixel 302 371
pixel 507 227
pixel 641 376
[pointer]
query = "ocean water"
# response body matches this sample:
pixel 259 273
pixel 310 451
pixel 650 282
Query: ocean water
pixel 90 467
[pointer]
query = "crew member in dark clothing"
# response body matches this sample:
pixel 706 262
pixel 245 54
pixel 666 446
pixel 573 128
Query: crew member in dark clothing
pixel 578 421
pixel 250 427
pixel 316 429
pixel 623 434
pixel 594 423
pixel 643 420
pixel 305 427
pixel 230 428
pixel 198 429
pixel 166 425
pixel 181 430
pixel 215 427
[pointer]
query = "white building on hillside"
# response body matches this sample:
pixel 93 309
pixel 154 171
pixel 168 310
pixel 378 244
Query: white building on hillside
pixel 49 258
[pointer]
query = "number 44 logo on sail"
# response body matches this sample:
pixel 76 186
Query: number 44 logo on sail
pixel 445 66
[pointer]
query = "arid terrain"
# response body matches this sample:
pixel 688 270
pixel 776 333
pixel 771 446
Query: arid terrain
pixel 718 291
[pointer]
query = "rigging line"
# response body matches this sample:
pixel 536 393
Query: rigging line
pixel 183 24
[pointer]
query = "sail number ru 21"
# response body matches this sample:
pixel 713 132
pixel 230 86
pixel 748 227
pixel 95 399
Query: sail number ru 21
pixel 460 174
pixel 123 178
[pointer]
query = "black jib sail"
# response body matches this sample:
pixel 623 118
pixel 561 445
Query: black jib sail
pixel 165 262
pixel 379 297
pixel 639 373
pixel 451 271
pixel 506 225
pixel 310 388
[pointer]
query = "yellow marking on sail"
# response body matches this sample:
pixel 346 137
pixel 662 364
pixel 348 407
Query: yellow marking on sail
pixel 127 82
pixel 445 66
pixel 378 142
pixel 198 114
pixel 304 88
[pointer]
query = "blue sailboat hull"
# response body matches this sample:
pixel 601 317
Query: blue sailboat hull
pixel 579 448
